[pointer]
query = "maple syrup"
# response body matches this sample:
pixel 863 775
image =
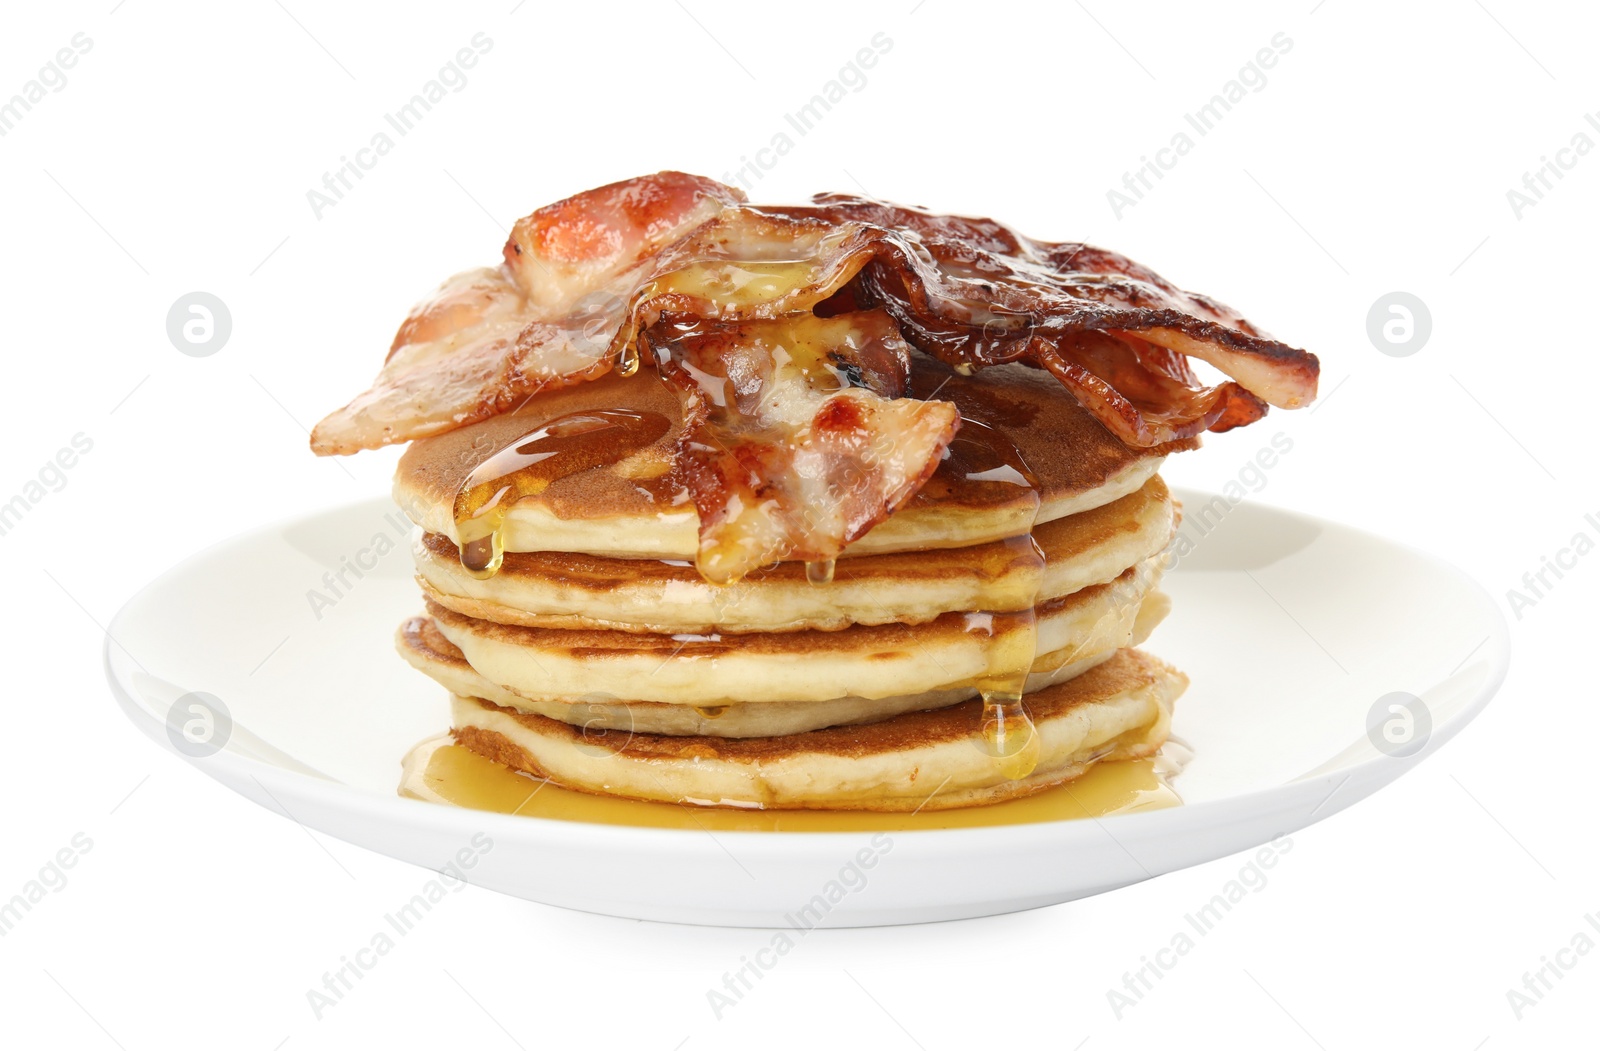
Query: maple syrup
pixel 820 572
pixel 440 771
pixel 628 360
pixel 526 466
pixel 984 454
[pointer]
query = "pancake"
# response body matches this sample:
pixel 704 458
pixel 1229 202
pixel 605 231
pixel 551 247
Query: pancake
pixel 563 590
pixel 425 648
pixel 866 661
pixel 1120 709
pixel 634 508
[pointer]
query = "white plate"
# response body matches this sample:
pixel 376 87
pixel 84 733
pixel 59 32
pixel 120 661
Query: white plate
pixel 1291 628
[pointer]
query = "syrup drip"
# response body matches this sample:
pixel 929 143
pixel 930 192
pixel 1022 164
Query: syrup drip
pixel 711 713
pixel 628 359
pixel 984 454
pixel 820 572
pixel 526 467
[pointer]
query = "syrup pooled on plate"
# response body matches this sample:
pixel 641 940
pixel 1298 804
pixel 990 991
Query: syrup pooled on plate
pixel 440 771
pixel 555 449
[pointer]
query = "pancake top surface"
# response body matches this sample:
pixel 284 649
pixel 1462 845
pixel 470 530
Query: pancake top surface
pixel 1067 450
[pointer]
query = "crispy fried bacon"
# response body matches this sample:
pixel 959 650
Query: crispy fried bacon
pixel 472 351
pixel 786 329
pixel 491 338
pixel 974 292
pixel 798 436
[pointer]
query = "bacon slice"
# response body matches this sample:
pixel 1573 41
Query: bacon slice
pixel 798 436
pixel 570 249
pixel 489 339
pixel 1141 392
pixel 974 292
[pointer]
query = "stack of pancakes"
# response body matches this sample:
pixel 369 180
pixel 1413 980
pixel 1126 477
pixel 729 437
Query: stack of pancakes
pixel 597 657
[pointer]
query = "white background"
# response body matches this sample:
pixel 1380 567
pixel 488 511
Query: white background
pixel 1377 157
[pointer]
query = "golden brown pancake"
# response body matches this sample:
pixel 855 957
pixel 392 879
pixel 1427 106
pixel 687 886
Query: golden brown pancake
pixel 1121 709
pixel 635 509
pixel 865 661
pixel 564 590
pixel 425 648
